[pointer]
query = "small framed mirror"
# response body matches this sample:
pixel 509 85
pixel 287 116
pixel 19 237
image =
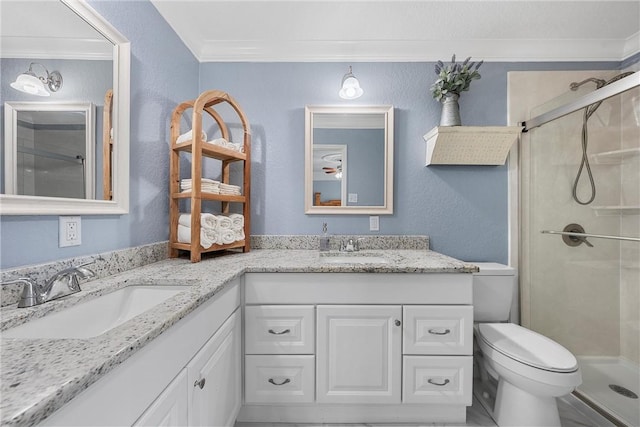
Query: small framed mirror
pixel 349 160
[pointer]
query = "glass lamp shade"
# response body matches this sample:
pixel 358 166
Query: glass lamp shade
pixel 29 83
pixel 350 87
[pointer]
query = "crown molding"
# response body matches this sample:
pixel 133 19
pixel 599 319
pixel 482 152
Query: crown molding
pixel 494 50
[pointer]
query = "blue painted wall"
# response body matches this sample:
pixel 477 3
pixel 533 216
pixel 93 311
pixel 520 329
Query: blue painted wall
pixel 463 209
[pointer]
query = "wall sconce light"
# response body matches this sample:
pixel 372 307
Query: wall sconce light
pixel 350 87
pixel 33 84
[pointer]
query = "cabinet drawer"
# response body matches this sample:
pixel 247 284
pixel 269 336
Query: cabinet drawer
pixel 279 329
pixel 279 379
pixel 437 379
pixel 438 329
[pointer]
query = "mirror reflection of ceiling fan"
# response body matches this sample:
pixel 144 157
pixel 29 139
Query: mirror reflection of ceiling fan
pixel 335 164
pixel 329 170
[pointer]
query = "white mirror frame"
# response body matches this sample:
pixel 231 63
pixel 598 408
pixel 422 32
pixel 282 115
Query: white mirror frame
pixel 387 207
pixel 11 110
pixel 30 205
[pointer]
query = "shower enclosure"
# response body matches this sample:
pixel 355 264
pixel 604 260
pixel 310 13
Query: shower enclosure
pixel 580 234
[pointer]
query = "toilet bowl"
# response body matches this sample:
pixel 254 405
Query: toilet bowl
pixel 520 372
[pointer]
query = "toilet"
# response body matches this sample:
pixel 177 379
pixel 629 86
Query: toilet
pixel 518 373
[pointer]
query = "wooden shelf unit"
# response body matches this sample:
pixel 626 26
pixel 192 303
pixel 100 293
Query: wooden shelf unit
pixel 199 150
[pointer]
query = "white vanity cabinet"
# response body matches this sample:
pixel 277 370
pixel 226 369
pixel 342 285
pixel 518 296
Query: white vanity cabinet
pixel 208 391
pixel 215 378
pixel 390 348
pixel 160 384
pixel 171 407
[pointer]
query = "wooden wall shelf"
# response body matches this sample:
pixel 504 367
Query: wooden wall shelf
pixel 470 145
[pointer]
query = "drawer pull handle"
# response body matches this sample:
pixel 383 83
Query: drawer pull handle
pixel 286 331
pixel 437 332
pixel 199 383
pixel 286 381
pixel 445 382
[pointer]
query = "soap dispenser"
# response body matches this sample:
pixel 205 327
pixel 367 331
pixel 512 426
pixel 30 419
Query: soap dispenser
pixel 324 239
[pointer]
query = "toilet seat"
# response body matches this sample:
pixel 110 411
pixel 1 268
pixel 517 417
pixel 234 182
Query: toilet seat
pixel 527 347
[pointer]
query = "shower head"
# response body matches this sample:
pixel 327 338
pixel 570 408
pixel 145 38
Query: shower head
pixel 599 83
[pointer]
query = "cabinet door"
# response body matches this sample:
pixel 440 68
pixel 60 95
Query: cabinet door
pixel 215 379
pixel 170 408
pixel 359 354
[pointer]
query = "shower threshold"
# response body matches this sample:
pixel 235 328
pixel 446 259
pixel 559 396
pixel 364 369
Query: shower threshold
pixel 598 373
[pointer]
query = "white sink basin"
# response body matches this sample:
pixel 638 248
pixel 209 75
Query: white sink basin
pixel 354 259
pixel 96 316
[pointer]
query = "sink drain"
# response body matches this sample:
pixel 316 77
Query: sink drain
pixel 623 391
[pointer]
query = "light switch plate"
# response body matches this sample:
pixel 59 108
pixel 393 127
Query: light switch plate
pixel 69 233
pixel 353 198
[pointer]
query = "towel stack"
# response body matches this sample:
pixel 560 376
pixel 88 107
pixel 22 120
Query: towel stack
pixel 214 229
pixel 229 189
pixel 230 145
pixel 207 185
pixel 188 136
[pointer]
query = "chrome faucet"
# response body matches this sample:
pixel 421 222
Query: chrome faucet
pixel 352 245
pixel 65 282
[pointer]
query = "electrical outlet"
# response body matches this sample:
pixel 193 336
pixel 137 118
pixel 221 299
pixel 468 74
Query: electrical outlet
pixel 374 223
pixel 69 231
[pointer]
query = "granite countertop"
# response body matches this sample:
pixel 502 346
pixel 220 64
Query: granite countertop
pixel 38 376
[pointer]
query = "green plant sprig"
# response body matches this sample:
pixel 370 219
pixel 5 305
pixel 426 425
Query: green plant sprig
pixel 455 77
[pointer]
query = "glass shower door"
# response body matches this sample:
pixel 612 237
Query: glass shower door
pixel 584 293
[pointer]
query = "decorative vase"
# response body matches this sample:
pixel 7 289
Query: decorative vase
pixel 450 115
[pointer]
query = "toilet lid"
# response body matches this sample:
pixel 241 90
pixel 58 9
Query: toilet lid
pixel 528 347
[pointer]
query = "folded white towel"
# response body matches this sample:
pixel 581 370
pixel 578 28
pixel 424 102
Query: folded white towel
pixel 219 141
pixel 207 221
pixel 188 136
pixel 235 146
pixel 207 237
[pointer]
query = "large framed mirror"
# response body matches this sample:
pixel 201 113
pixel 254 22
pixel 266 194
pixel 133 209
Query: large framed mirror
pixel 93 59
pixel 349 160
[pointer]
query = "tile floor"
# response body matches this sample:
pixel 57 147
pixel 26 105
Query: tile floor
pixel 573 413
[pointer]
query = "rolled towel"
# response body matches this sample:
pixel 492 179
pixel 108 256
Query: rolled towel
pixel 239 234
pixel 207 237
pixel 224 223
pixel 226 236
pixel 207 221
pixel 188 136
pixel 237 221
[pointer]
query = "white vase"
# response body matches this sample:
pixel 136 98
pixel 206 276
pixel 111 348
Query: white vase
pixel 450 115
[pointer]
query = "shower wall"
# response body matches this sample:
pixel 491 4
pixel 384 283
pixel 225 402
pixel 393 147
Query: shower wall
pixel 585 298
pixel 630 226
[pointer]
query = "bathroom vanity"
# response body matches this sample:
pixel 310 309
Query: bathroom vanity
pixel 357 347
pixel 330 342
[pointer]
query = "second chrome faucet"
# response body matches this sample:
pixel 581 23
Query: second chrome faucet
pixel 62 283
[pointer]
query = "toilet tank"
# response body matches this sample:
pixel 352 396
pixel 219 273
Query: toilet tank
pixel 493 288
